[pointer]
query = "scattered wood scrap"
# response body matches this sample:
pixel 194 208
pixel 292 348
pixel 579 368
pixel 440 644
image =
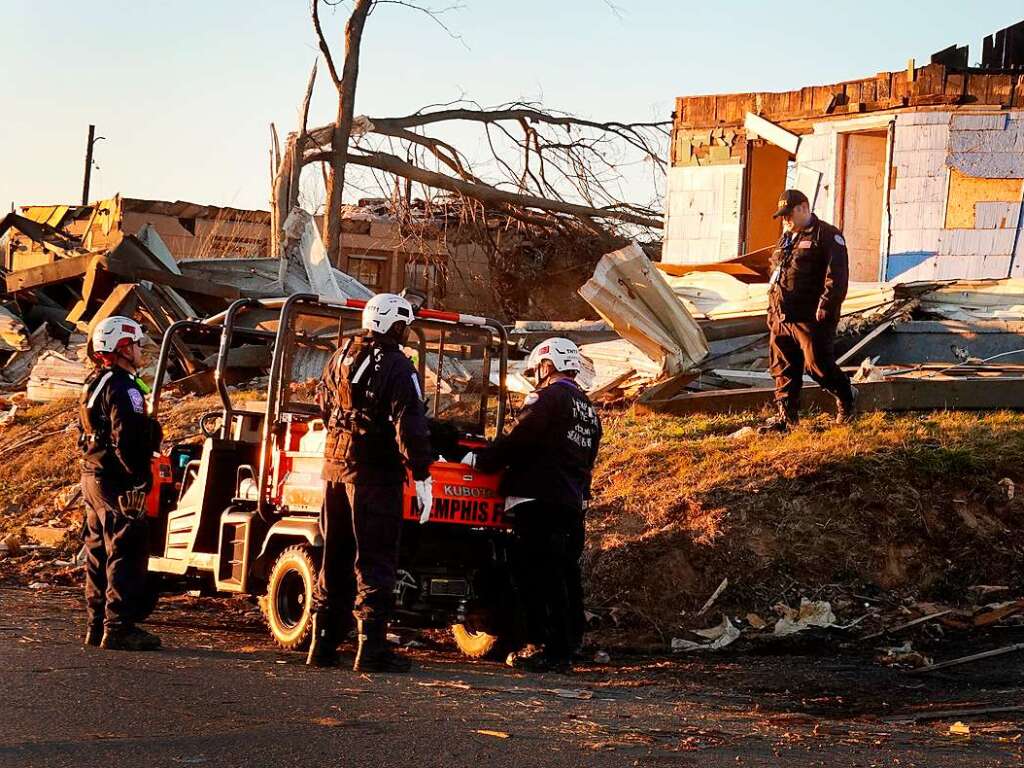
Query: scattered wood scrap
pixel 1015 648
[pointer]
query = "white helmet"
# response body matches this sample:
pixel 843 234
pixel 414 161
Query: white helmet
pixel 562 353
pixel 110 333
pixel 384 310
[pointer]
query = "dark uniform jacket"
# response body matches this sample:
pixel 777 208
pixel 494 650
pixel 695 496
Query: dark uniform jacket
pixel 549 455
pixel 118 436
pixel 810 269
pixel 373 407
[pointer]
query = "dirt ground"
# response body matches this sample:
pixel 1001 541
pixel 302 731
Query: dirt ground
pixel 221 694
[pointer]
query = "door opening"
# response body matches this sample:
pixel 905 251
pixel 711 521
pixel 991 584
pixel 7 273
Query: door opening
pixel 862 200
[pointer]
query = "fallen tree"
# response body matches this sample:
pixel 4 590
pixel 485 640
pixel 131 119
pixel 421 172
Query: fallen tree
pixel 543 169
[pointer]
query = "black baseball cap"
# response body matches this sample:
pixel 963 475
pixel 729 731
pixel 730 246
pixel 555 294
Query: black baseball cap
pixel 790 199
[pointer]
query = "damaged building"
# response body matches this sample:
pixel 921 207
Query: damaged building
pixel 423 249
pixel 922 168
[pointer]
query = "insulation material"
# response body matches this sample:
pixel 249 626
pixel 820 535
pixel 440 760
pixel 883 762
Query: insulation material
pixel 702 216
pixel 987 146
pixel 966 192
pixel 304 246
pixel 633 296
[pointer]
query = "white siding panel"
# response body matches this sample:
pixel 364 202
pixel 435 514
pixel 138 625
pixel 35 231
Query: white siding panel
pixel 996 215
pixel 922 137
pixel 923 118
pixel 917 215
pixel 813 148
pixel 971 267
pixel 702 214
pixel 906 241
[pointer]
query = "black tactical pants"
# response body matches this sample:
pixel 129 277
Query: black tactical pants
pixel 361 526
pixel 573 563
pixel 116 551
pixel 798 347
pixel 546 571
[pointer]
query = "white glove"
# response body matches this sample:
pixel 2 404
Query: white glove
pixel 469 459
pixel 425 496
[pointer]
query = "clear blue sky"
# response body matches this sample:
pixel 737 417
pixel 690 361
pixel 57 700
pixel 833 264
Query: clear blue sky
pixel 184 91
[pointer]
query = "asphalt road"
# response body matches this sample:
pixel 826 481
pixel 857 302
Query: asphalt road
pixel 221 695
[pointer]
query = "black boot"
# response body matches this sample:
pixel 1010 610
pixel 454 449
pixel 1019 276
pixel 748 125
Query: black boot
pixel 375 654
pixel 129 639
pixel 847 412
pixel 542 662
pixel 323 645
pixel 94 635
pixel 785 418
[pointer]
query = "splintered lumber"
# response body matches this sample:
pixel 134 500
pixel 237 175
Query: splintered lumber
pixel 866 341
pixel 162 314
pixel 49 274
pixel 969 659
pixel 13 333
pixel 19 365
pixel 907 625
pixel 893 394
pixel 56 376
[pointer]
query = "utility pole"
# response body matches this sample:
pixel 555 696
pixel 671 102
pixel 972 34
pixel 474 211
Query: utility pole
pixel 93 138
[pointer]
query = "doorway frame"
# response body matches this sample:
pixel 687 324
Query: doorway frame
pixel 867 124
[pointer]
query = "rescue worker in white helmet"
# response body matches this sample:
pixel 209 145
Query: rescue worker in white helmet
pixel 372 403
pixel 548 458
pixel 118 439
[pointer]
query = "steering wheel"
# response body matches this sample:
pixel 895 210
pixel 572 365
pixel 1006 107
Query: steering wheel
pixel 210 423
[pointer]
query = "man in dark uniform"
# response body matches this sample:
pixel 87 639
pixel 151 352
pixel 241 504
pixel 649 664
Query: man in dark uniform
pixel 810 275
pixel 118 440
pixel 549 457
pixel 376 427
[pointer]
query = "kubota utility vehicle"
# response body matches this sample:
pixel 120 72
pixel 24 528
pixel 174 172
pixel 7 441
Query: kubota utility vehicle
pixel 239 512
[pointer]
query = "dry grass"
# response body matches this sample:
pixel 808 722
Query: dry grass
pixel 894 502
pixel 910 503
pixel 40 460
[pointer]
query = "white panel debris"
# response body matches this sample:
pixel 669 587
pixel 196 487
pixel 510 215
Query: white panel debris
pixel 303 245
pixel 632 295
pixel 702 215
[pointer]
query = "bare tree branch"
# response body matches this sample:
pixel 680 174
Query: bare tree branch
pixel 483 192
pixel 325 49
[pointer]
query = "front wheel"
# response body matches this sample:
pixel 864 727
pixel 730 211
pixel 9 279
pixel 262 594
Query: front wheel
pixel 474 643
pixel 288 604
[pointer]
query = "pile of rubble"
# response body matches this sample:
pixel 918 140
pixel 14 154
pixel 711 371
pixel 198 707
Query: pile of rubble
pixel 695 340
pixel 66 284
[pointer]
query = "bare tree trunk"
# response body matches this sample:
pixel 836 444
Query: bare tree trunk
pixel 275 197
pixel 300 148
pixel 342 128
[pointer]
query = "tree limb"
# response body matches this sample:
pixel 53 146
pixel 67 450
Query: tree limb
pixel 485 193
